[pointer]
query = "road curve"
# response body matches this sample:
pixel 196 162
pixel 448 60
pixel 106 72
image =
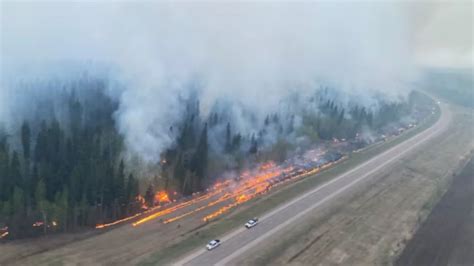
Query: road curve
pixel 241 240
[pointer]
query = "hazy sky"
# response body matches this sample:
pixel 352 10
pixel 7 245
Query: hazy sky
pixel 248 54
pixel 444 33
pixel 32 31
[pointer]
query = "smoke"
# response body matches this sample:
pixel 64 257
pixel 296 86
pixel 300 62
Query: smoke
pixel 444 34
pixel 247 58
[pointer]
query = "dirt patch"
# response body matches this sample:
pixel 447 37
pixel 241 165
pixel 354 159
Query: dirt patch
pixel 447 236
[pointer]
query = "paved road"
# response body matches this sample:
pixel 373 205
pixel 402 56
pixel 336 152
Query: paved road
pixel 241 240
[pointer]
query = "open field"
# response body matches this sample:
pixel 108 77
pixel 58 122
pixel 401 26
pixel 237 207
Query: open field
pixel 372 225
pixel 447 235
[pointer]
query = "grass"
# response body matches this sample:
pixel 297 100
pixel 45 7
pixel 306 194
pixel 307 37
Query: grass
pixel 259 206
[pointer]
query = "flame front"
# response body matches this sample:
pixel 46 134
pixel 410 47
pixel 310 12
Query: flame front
pixel 162 197
pixel 229 193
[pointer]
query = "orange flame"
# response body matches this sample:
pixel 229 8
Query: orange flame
pixel 233 192
pixel 162 197
pixel 176 207
pixel 4 234
pixel 142 202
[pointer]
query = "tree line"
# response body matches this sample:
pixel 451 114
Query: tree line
pixel 66 175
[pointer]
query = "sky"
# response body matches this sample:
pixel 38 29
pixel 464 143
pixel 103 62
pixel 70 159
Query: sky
pixel 442 30
pixel 444 33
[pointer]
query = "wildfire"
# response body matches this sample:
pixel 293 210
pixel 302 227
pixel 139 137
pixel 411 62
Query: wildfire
pixel 247 190
pixel 99 226
pixel 176 207
pixel 159 213
pixel 142 202
pixel 38 223
pixel 238 200
pixel 267 166
pixel 258 186
pixel 162 197
pixel 3 235
pixel 220 211
pixel 241 198
pixel 230 192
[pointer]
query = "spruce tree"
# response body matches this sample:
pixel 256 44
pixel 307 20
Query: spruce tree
pixel 26 140
pixel 228 144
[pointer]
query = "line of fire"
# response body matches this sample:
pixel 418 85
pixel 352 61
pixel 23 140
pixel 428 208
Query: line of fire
pixel 228 193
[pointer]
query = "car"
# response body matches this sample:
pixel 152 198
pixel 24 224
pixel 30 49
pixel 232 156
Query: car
pixel 251 223
pixel 213 244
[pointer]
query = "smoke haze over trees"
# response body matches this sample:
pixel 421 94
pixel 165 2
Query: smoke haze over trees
pixel 248 57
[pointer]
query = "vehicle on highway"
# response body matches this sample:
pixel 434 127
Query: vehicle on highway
pixel 213 244
pixel 251 223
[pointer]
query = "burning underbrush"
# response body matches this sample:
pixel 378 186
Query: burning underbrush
pixel 228 193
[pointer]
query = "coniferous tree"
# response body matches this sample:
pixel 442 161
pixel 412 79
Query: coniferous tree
pixel 201 159
pixel 6 184
pixel 41 202
pixel 341 117
pixel 236 140
pixel 130 194
pixel 18 202
pixel 120 183
pixel 15 172
pixel 253 145
pixel 26 140
pixel 150 196
pixel 228 144
pixel 62 203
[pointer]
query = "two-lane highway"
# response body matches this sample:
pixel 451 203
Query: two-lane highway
pixel 241 240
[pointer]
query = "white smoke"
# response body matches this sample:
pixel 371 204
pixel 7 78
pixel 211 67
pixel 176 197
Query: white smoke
pixel 248 55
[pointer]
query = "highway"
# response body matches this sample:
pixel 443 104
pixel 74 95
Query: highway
pixel 241 240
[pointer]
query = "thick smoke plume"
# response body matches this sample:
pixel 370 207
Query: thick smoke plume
pixel 246 58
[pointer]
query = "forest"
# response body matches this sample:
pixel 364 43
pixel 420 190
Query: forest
pixel 65 167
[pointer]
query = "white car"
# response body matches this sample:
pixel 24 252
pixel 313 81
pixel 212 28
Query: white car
pixel 251 223
pixel 213 244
